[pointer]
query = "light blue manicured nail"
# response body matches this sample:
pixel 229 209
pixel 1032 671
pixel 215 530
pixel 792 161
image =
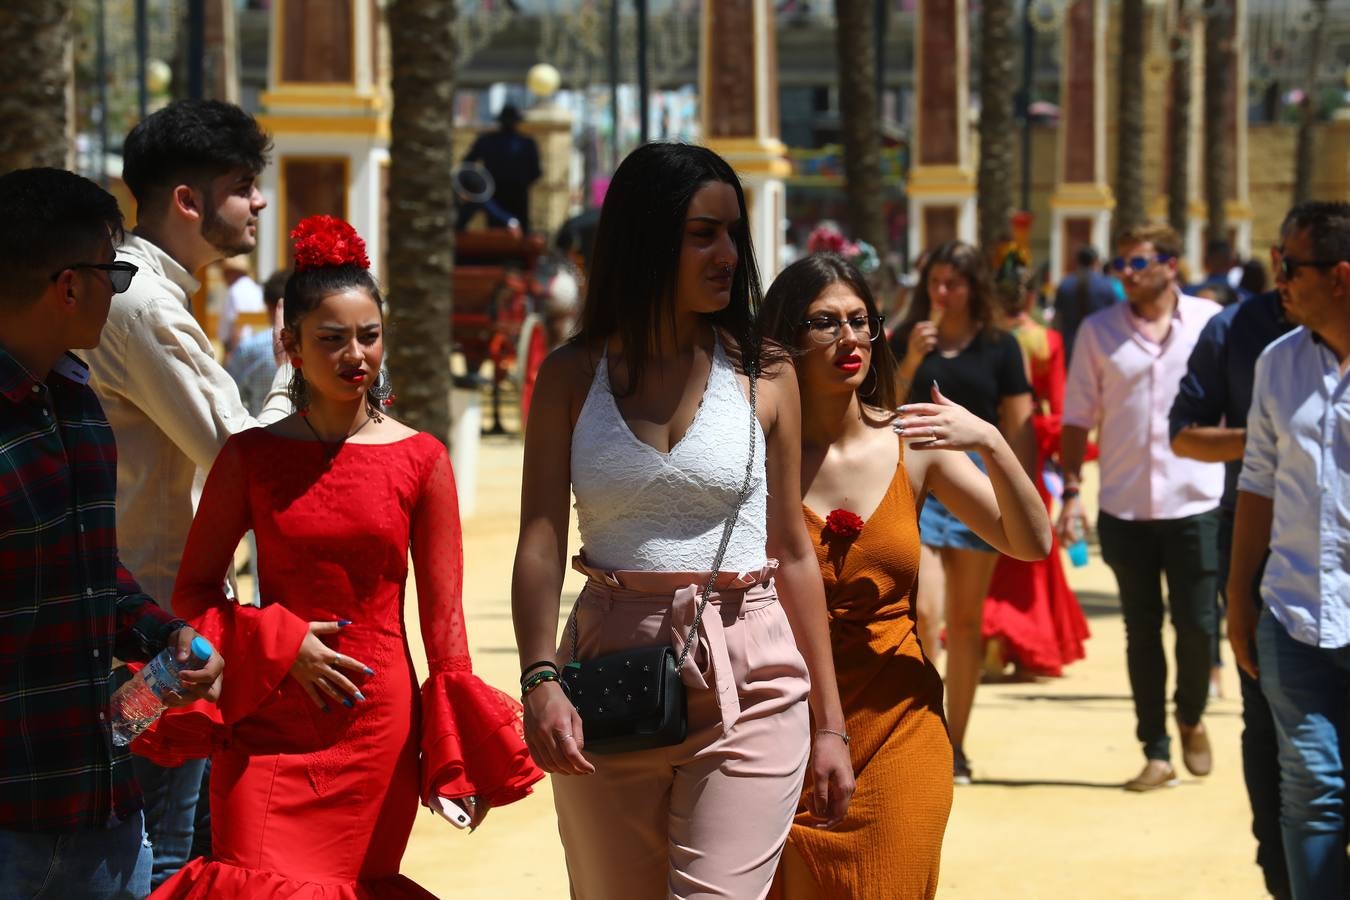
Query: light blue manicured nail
pixel 347 703
pixel 360 696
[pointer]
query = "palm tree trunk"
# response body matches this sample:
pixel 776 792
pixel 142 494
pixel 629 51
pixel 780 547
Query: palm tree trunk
pixel 994 186
pixel 1303 157
pixel 1130 117
pixel 860 119
pixel 421 201
pixel 36 71
pixel 1219 115
pixel 1179 126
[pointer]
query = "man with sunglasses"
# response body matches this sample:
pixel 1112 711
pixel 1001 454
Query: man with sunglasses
pixel 70 810
pixel 1158 512
pixel 192 168
pixel 1292 498
pixel 1208 422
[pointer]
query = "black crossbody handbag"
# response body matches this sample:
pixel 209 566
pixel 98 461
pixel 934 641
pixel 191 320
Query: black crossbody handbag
pixel 634 699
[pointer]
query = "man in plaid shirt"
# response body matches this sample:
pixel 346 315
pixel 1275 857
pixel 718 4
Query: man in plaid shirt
pixel 70 810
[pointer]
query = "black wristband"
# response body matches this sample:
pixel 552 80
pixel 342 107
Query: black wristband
pixel 532 666
pixel 1069 493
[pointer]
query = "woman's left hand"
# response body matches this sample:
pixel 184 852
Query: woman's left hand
pixel 942 425
pixel 831 780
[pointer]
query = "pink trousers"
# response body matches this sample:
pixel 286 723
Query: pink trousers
pixel 707 817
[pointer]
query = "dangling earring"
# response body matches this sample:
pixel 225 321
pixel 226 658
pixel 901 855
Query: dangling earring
pixel 863 395
pixel 298 391
pixel 378 395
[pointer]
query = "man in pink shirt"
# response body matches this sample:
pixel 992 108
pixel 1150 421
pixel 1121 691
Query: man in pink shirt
pixel 1158 511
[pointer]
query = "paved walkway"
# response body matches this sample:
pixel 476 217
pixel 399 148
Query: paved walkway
pixel 1046 817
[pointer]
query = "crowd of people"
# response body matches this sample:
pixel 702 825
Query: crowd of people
pixel 790 518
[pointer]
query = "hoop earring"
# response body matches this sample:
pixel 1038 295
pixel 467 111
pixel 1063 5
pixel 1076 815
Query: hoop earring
pixel 298 392
pixel 876 379
pixel 379 395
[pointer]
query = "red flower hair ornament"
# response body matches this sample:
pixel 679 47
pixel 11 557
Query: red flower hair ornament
pixel 844 523
pixel 327 241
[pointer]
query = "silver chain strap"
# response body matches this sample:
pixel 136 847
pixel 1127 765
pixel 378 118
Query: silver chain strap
pixel 721 548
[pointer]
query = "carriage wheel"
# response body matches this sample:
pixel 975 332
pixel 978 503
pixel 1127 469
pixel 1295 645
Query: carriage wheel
pixel 530 353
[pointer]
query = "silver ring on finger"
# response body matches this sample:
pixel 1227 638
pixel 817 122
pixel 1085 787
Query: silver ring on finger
pixel 337 660
pixel 566 737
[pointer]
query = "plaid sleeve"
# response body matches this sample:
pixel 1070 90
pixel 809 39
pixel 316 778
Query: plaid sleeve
pixel 143 626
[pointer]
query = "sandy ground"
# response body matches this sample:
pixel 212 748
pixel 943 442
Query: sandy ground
pixel 1046 817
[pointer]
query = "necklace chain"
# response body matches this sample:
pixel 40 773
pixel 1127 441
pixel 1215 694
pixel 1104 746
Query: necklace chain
pixel 332 447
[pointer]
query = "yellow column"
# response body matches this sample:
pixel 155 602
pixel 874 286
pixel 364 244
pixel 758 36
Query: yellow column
pixel 738 111
pixel 1080 209
pixel 941 185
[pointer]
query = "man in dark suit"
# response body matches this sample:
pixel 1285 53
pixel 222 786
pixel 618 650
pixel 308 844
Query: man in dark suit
pixel 512 159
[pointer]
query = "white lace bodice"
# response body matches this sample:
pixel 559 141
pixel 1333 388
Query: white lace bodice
pixel 641 509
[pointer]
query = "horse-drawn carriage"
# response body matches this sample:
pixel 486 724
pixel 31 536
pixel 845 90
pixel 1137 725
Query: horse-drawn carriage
pixel 498 313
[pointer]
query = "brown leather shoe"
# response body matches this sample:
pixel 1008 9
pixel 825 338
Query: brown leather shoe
pixel 1195 750
pixel 1156 774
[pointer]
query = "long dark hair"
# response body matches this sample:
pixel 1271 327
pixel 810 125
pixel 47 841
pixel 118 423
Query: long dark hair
pixel 630 286
pixel 794 290
pixel 969 262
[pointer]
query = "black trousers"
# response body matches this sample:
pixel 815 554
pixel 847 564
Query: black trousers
pixel 1142 554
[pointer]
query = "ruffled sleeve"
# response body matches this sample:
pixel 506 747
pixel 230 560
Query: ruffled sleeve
pixel 258 645
pixel 472 739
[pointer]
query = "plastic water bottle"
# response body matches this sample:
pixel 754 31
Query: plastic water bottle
pixel 1078 550
pixel 138 703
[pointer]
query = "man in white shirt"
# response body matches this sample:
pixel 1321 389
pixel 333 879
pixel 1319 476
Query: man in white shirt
pixel 1158 512
pixel 1294 497
pixel 192 168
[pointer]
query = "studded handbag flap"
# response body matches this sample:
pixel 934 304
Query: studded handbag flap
pixel 629 700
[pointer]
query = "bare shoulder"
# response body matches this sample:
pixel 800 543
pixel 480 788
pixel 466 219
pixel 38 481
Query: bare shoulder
pixel 570 365
pixel 564 381
pixel 390 430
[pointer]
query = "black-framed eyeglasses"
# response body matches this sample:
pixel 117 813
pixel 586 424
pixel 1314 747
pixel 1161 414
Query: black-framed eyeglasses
pixel 1137 263
pixel 119 273
pixel 1287 268
pixel 825 329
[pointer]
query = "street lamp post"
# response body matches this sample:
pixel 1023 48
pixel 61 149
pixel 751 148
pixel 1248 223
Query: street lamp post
pixel 643 87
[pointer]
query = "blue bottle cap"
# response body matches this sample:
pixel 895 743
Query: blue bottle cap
pixel 202 649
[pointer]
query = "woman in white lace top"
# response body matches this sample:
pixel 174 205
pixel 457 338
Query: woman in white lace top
pixel 646 416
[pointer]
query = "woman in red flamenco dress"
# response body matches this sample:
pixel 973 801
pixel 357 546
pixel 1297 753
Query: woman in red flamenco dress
pixel 1031 616
pixel 321 747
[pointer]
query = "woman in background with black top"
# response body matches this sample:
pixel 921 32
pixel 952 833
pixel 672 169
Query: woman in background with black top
pixel 948 338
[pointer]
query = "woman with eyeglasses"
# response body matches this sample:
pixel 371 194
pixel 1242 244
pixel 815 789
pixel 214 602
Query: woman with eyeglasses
pixel 948 341
pixel 862 488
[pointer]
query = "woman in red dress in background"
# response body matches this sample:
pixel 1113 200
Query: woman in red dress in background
pixel 1031 616
pixel 321 749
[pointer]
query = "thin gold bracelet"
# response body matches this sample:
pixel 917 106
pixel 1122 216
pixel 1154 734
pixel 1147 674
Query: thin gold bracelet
pixel 839 734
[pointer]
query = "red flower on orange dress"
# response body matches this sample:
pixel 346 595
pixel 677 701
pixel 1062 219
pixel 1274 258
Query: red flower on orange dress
pixel 844 523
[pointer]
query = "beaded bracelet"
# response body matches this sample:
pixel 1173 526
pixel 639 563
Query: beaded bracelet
pixel 537 679
pixel 524 673
pixel 839 734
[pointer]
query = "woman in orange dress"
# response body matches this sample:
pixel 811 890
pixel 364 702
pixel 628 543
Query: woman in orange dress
pixel 890 843
pixel 1031 616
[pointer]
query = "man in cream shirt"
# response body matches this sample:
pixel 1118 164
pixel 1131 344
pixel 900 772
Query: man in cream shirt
pixel 192 168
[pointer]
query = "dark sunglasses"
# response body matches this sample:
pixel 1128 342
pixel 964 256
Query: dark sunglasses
pixel 119 273
pixel 1137 263
pixel 1287 268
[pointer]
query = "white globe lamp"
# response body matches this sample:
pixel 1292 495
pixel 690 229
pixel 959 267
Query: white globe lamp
pixel 543 80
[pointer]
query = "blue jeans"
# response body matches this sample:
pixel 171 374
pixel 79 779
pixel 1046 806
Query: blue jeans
pixel 92 864
pixel 1309 693
pixel 170 812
